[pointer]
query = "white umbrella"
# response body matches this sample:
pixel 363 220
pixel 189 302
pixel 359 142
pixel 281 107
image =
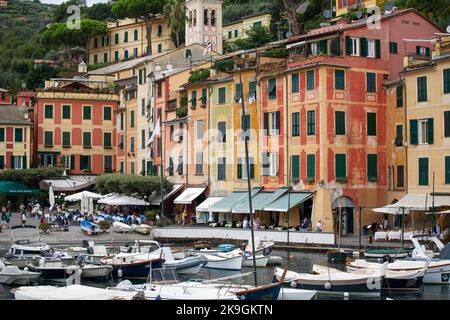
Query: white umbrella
pixel 51 197
pixel 78 196
pixel 91 206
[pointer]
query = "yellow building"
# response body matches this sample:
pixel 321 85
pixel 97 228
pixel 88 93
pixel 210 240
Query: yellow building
pixel 126 39
pixel 343 6
pixel 237 29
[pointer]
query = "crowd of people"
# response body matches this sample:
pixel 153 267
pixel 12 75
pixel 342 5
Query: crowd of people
pixel 304 225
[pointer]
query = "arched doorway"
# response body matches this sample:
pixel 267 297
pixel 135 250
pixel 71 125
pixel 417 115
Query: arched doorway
pixel 347 208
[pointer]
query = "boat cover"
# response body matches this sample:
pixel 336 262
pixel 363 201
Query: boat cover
pixel 73 292
pixel 445 252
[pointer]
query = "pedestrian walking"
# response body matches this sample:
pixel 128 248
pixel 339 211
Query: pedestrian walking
pixel 24 218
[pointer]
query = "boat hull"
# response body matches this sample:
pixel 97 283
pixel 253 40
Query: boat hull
pixel 296 294
pixel 234 263
pixel 136 269
pixel 52 273
pixel 354 288
pixel 261 261
pixel 267 292
pixel 96 272
pixel 19 279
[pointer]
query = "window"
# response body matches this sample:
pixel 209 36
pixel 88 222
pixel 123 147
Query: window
pixel 48 139
pixel 159 89
pixel 125 36
pixel 339 79
pixel 272 90
pixel 122 120
pixel 339 122
pixel 370 48
pixel 180 165
pixel 121 166
pixel 87 113
pixel 2 162
pixel 273 165
pixel 121 142
pixel 310 167
pixel 295 163
pixel 399 96
pixel 230 34
pixel 105 57
pixel 107 113
pixel 48 111
pixel 221 135
pixel 170 169
pixel 199 163
pixel 341 166
pixel 371 85
pixel 68 161
pixel 399 135
pixel 393 48
pixel 2 134
pixel 274 118
pixel 257 24
pixel 48 160
pixel 311 123
pixel 446 76
pixel 160 30
pixel 17 162
pixel 116 56
pixel 95 58
pixel 296 124
pixel 323 46
pixel 236 33
pixel 371 124
pixel 238 90
pixel 107 164
pixel 132 119
pixel 313 49
pixel 194 98
pixel 180 133
pixel 203 98
pixel 66 111
pixel 159 47
pixel 107 140
pixel 423 51
pixel 125 54
pixel 221 169
pixel 116 38
pixel 142 107
pixel 446 124
pixel 136 35
pixel 132 167
pixel 422 89
pixel 87 140
pixel 95 43
pixel 143 139
pixel 222 95
pixel 447 170
pixel 251 92
pixel 172 130
pixel 18 135
pixel 131 144
pixel 199 127
pixel 213 17
pixel 400 176
pixel 423 171
pixel 205 17
pixel 66 139
pixel 425 131
pixel 245 124
pixel 353 46
pixel 372 168
pixel 295 83
pixel 310 80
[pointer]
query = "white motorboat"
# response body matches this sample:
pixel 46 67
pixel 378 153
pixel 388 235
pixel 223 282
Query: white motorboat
pixel 13 275
pixel 227 261
pixel 334 283
pixel 73 251
pixel 95 254
pixel 261 261
pixel 261 247
pixel 72 292
pixel 133 265
pixel 121 227
pixel 95 271
pixel 52 267
pixel 26 242
pixel 186 265
pixel 141 246
pixel 20 262
pixel 296 294
pixel 141 228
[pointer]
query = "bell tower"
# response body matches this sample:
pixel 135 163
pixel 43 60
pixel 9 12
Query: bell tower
pixel 204 23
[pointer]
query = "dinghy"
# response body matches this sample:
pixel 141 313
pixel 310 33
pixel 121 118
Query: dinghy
pixel 335 283
pixel 227 261
pixel 187 265
pixel 141 228
pixel 52 268
pixel 89 227
pixel 121 227
pixel 13 275
pixel 133 265
pixel 26 242
pixel 393 253
pixel 261 261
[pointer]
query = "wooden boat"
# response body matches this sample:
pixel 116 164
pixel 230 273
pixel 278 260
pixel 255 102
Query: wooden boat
pixel 261 261
pixel 13 275
pixel 227 261
pixel 296 294
pixel 335 283
pixel 393 253
pixel 132 265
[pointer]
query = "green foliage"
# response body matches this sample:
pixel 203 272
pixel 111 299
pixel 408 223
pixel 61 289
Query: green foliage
pixel 183 100
pixel 101 12
pixel 226 65
pixel 97 66
pixel 30 177
pixel 44 226
pixel 276 53
pixel 151 214
pixel 174 13
pixel 181 112
pixel 104 225
pixel 256 37
pixel 436 10
pixel 130 184
pixel 234 10
pixel 199 75
pixel 37 76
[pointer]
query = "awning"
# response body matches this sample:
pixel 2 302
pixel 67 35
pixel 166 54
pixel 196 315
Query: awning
pixel 189 195
pixel 156 199
pixel 15 187
pixel 121 200
pixel 227 203
pixel 342 202
pixel 68 184
pixel 242 206
pixel 293 198
pixel 263 199
pixel 417 202
pixel 206 205
pixel 79 196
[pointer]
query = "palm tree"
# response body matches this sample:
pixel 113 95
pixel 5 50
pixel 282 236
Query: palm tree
pixel 174 13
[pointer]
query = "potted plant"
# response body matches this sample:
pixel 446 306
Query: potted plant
pixel 151 216
pixel 104 225
pixel 44 226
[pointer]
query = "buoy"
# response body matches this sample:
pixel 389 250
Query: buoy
pixel 346 294
pixel 120 273
pixel 327 285
pixel 292 258
pixel 25 269
pixel 293 284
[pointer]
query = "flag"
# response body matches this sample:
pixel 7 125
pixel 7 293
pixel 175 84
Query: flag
pixel 155 132
pixel 208 47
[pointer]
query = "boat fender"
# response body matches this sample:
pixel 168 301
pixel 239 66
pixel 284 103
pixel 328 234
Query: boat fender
pixel 293 284
pixel 120 273
pixel 346 295
pixel 26 269
pixel 327 285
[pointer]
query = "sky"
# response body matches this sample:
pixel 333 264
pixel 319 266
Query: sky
pixel 89 2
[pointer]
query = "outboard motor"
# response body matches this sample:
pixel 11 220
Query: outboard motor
pixel 387 258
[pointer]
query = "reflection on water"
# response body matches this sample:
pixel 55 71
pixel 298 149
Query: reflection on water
pixel 300 262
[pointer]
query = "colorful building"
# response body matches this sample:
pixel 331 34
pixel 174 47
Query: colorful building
pixel 5 97
pixel 126 39
pixel 237 29
pixel 344 6
pixel 75 125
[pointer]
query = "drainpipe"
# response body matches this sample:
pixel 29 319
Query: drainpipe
pixel 288 182
pixel 406 138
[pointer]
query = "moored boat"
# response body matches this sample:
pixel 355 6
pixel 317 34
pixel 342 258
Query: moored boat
pixel 141 228
pixel 227 261
pixel 121 227
pixel 26 242
pixel 393 253
pixel 261 261
pixel 13 275
pixel 132 265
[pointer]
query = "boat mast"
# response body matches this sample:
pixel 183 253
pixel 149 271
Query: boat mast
pixel 247 165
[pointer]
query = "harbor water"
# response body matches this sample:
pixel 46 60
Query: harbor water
pixel 300 262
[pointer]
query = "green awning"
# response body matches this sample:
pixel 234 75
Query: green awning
pixel 259 200
pixel 227 203
pixel 242 205
pixel 293 198
pixel 15 187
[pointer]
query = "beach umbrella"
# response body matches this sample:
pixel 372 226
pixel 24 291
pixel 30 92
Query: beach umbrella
pixel 91 205
pixel 51 197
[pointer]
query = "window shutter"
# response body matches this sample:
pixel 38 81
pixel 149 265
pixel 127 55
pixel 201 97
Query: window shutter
pixel 278 122
pixel 413 125
pixel 447 170
pixel 363 47
pixel 377 49
pixel 430 131
pixel 372 167
pixel 428 52
pixel 423 171
pixel 348 45
pixel 295 168
pixel 11 166
pixel 72 162
pixel 266 123
pixel 239 168
pixel 324 46
pixel 265 164
pixel 447 124
pixel 311 164
pixel 24 164
pixel 252 169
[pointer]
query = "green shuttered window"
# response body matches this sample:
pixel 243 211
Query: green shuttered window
pixel 310 80
pixel 399 96
pixel 48 138
pixel 86 139
pixel 423 171
pixel 107 139
pixel 311 167
pixel 341 166
pixel 66 139
pixel 106 113
pixel 447 170
pixel 272 89
pixel 131 119
pixel 446 80
pixel 295 124
pixel 371 124
pixel 339 79
pixel 222 95
pixel 413 129
pixel 18 135
pixel 446 124
pixel 48 111
pixel 295 168
pixel 340 122
pixel 311 122
pixel 372 167
pixel 87 113
pixel 422 94
pixel 66 111
pixel 295 83
pixel 371 82
pixel 2 134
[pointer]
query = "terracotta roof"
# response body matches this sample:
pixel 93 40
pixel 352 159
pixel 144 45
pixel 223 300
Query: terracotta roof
pixel 12 114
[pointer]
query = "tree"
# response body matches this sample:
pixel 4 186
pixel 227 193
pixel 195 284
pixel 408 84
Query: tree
pixel 256 37
pixel 174 13
pixel 100 11
pixel 290 7
pixel 37 75
pixel 30 177
pixel 141 9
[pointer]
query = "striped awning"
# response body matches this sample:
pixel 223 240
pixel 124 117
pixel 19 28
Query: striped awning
pixel 227 203
pixel 206 205
pixel 189 195
pixel 289 201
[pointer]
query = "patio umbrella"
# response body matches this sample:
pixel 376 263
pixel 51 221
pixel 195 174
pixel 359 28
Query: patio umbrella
pixel 51 197
pixel 91 206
